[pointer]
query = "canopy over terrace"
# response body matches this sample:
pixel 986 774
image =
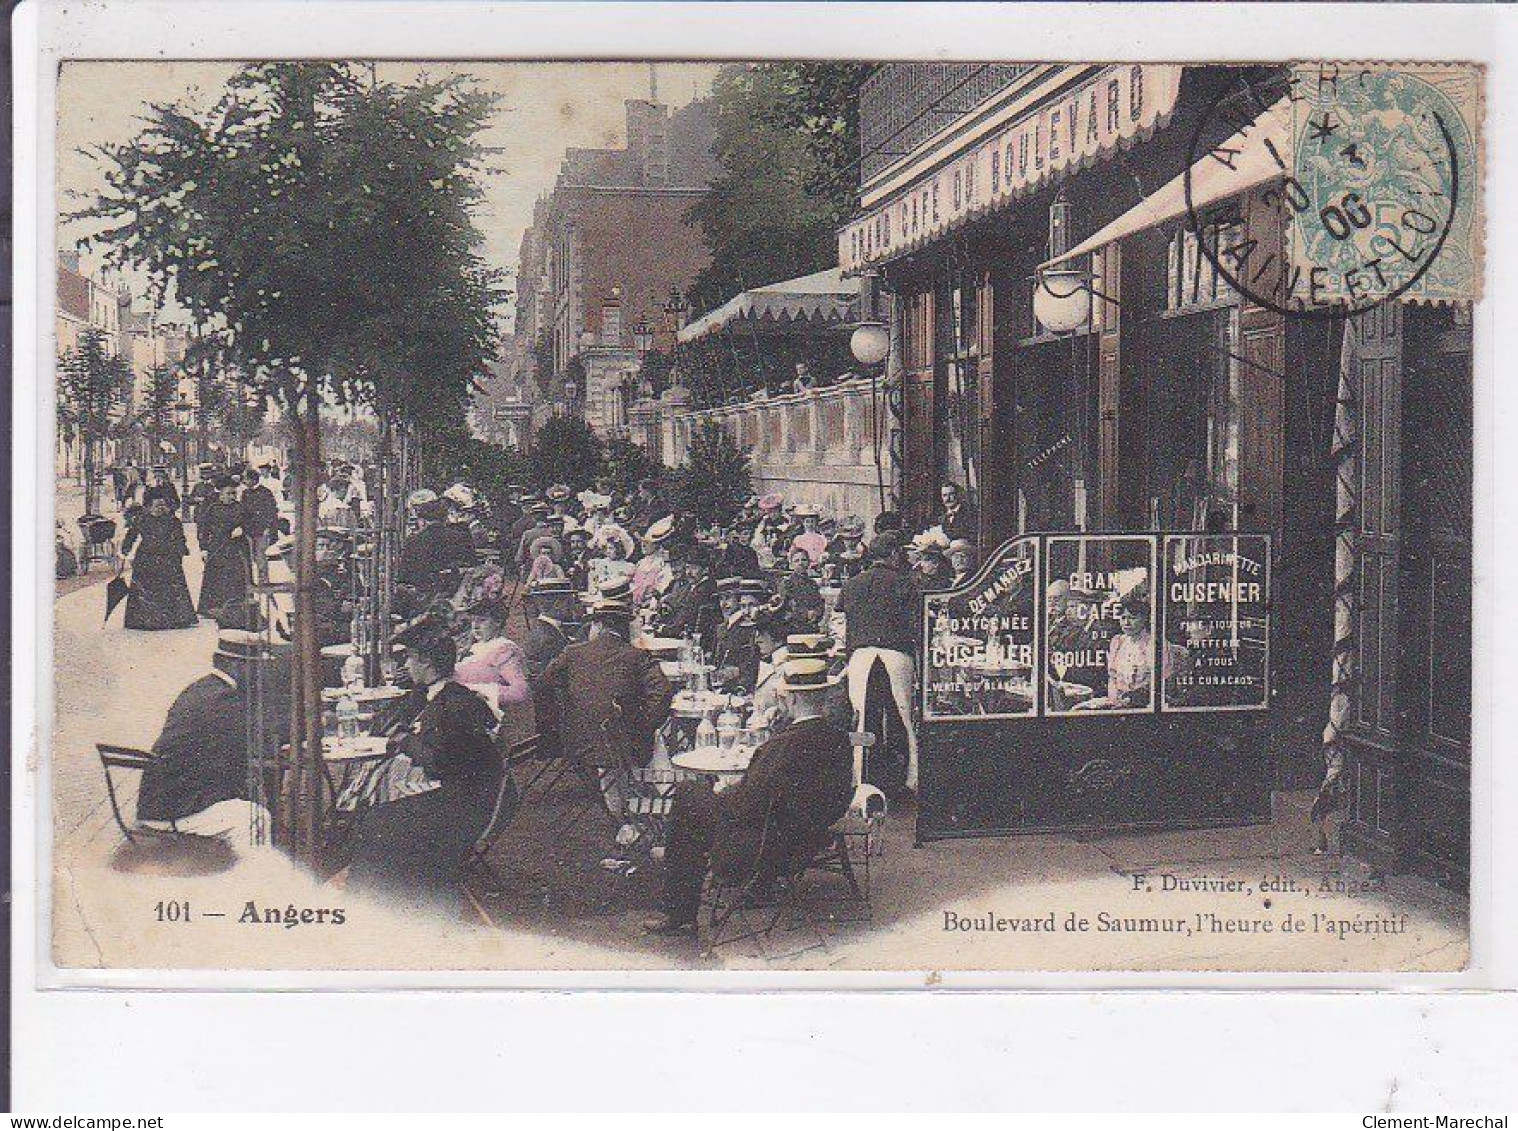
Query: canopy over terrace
pixel 823 300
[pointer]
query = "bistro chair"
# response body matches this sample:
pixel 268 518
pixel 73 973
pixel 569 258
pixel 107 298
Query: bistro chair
pixel 129 759
pixel 478 869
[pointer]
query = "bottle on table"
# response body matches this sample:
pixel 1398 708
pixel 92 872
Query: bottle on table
pixel 347 715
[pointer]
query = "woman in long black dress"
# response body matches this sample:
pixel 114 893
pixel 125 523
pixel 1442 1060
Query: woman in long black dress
pixel 225 594
pixel 159 597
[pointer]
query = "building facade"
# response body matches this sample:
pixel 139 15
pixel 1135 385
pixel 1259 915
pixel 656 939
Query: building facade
pixel 607 247
pixel 1174 402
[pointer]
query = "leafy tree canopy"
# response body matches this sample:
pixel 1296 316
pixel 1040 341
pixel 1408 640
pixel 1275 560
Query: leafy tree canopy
pixel 318 225
pixel 788 151
pixel 714 481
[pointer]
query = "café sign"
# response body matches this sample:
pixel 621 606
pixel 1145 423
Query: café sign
pixel 1116 105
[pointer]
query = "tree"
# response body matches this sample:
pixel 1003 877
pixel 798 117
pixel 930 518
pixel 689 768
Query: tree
pixel 94 387
pixel 318 224
pixel 714 481
pixel 565 450
pixel 466 458
pixel 157 417
pixel 627 465
pixel 788 151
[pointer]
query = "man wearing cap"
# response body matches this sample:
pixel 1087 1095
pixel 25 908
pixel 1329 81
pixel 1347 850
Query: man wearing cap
pixel 552 627
pixel 414 847
pixel 737 654
pixel 601 702
pixel 430 556
pixel 652 575
pixel 202 755
pixel 260 513
pixel 202 493
pixel 798 599
pixel 797 786
pixel 880 608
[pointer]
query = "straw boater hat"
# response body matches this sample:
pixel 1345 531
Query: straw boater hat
pixel 613 597
pixel 753 587
pixel 729 585
pixel 557 493
pixel 806 510
pixel 808 645
pixel 807 674
pixel 285 544
pixel 551 587
pixel 660 530
pixel 460 495
pixel 851 527
pixel 538 507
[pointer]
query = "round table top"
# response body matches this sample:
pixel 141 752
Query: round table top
pixel 715 760
pixel 660 643
pixel 364 694
pixel 359 749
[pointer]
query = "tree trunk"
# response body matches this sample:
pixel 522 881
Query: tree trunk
pixel 302 797
pixel 91 490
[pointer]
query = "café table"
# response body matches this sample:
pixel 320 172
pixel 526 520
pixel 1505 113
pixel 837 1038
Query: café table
pixel 715 761
pixel 364 695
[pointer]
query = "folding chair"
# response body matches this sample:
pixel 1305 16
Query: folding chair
pixel 508 799
pixel 129 758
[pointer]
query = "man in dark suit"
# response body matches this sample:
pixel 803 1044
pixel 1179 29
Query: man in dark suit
pixel 798 784
pixel 956 515
pixel 203 752
pixel 601 702
pixel 414 848
pixel 432 556
pixel 553 627
pixel 260 514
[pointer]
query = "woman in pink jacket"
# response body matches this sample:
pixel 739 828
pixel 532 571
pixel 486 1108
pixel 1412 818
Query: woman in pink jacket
pixel 495 666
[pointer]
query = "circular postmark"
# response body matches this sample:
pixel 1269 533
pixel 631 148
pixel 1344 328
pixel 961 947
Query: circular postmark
pixel 1363 168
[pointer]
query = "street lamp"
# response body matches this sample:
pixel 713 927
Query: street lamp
pixel 182 410
pixel 643 337
pixel 675 311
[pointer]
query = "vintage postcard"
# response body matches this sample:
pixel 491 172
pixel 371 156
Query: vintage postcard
pixel 785 515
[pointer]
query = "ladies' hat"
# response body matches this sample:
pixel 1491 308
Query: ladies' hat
pixel 807 674
pixel 593 500
pixel 610 533
pixel 553 545
pixel 660 530
pixel 769 504
pixel 933 538
pixel 421 498
pixel 557 493
pixel 850 527
pixel 461 495
pixel 806 510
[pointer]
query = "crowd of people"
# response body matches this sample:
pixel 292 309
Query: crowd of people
pixel 534 612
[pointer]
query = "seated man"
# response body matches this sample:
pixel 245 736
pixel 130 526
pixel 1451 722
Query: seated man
pixel 199 783
pixel 601 702
pixel 797 786
pixel 414 847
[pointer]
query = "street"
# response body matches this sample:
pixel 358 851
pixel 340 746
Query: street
pixel 1197 900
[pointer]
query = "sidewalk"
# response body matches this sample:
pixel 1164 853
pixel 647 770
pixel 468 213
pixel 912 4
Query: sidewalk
pixel 947 906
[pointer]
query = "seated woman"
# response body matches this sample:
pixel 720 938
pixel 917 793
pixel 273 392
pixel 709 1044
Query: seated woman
pixel 495 666
pixel 1130 659
pixel 413 848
